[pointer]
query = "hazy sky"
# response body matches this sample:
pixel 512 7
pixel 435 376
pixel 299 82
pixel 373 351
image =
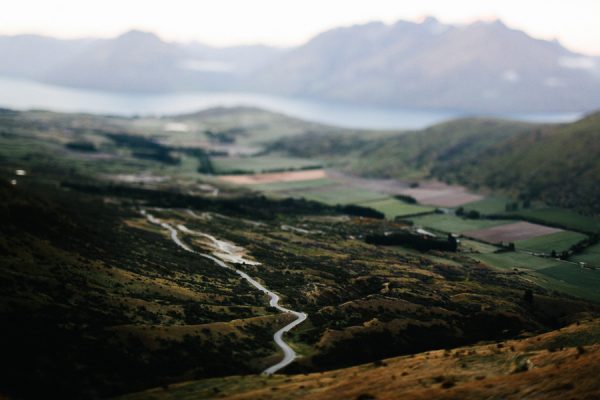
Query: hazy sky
pixel 289 22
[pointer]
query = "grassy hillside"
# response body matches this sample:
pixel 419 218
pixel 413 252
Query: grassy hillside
pixel 408 153
pixel 556 164
pixel 560 166
pixel 96 301
pixel 121 308
pixel 555 365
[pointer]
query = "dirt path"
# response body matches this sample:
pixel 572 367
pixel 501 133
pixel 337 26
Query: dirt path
pixel 228 252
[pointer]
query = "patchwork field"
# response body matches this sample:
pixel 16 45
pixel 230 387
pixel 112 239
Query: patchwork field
pixel 467 245
pixel 558 242
pixel 291 176
pixel 294 185
pixel 235 165
pixel 441 195
pixel 393 208
pixel 511 232
pixel 487 205
pixel 510 260
pixel 389 186
pixel 560 217
pixel 452 224
pixel 338 194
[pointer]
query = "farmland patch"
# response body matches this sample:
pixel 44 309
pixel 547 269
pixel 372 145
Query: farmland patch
pixel 453 224
pixel 236 165
pixel 560 217
pixel 510 260
pixel 291 176
pixel 342 195
pixel 395 208
pixel 294 185
pixel 441 195
pixel 558 242
pixel 487 206
pixel 511 232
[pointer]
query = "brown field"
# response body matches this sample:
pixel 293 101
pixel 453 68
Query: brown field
pixel 291 176
pixel 441 195
pixel 511 232
pixel 432 193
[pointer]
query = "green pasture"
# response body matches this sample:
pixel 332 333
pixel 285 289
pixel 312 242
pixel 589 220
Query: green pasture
pixel 453 224
pixel 227 165
pixel 559 242
pixel 393 208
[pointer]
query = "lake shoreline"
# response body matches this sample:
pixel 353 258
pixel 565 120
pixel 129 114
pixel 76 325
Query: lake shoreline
pixel 23 94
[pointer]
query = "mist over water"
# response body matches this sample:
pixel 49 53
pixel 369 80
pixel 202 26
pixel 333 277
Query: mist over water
pixel 23 94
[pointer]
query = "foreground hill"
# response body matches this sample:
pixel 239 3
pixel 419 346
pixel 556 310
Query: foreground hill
pixel 556 365
pixel 556 164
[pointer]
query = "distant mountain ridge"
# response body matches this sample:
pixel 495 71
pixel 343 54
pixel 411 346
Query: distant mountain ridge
pixel 480 67
pixel 484 66
pixel 135 61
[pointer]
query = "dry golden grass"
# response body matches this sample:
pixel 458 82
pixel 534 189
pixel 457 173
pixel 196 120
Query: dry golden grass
pixel 152 335
pixel 476 372
pixel 532 368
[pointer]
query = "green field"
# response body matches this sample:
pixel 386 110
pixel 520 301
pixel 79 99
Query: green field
pixel 342 195
pixel 561 218
pixel 572 279
pixel 510 260
pixel 395 208
pixel 293 186
pixel 228 165
pixel 590 255
pixel 453 224
pixel 549 273
pixel 477 247
pixel 488 205
pixel 559 241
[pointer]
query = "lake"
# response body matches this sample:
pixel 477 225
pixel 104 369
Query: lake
pixel 22 95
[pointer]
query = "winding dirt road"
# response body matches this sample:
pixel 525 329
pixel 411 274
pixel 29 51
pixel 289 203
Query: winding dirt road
pixel 234 254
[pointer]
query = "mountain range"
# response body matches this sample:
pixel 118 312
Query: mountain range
pixel 480 67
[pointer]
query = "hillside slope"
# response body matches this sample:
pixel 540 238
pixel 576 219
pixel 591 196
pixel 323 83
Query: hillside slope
pixel 556 365
pixel 556 164
pixel 96 301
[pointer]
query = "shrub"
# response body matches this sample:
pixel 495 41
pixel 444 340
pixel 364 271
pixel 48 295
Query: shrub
pixel 448 384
